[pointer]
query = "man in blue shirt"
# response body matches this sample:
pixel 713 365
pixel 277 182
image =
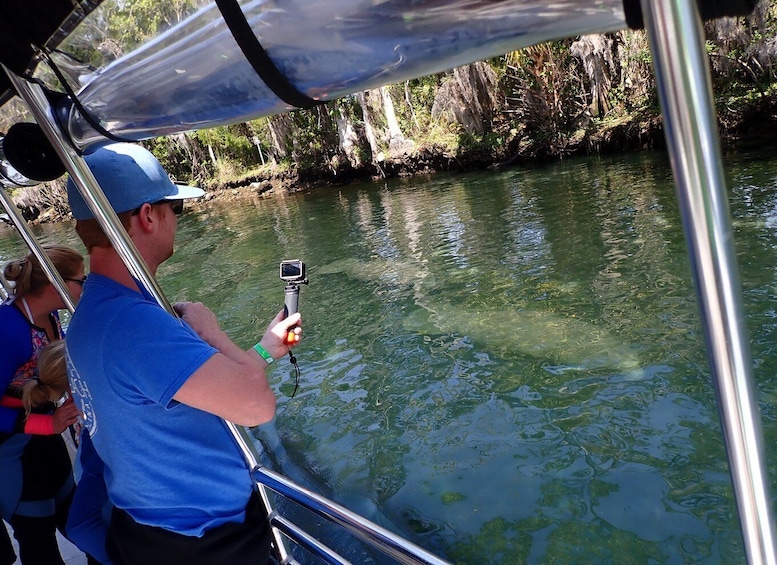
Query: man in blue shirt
pixel 155 390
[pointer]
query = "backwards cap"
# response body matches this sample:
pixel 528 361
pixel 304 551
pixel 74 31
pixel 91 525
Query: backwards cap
pixel 130 176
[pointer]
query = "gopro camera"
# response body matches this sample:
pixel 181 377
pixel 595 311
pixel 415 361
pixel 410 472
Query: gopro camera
pixel 292 270
pixel 293 274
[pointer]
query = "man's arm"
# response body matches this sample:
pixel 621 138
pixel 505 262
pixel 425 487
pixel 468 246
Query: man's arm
pixel 232 384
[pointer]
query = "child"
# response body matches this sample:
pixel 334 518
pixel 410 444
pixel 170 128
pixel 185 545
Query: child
pixel 51 384
pixel 86 526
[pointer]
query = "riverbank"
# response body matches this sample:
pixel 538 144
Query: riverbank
pixel 741 124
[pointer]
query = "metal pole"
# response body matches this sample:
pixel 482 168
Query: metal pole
pixel 101 208
pixel 48 267
pixel 683 79
pixel 5 286
pixel 5 289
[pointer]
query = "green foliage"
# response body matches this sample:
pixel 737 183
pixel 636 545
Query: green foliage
pixel 135 22
pixel 543 90
pixel 316 141
pixel 544 86
pixel 176 157
pixel 423 90
pixel 414 100
pixel 231 143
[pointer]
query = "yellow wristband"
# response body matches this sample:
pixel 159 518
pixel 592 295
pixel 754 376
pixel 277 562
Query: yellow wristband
pixel 263 352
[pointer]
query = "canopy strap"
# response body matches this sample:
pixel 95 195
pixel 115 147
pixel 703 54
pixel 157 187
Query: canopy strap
pixel 708 10
pixel 90 119
pixel 257 56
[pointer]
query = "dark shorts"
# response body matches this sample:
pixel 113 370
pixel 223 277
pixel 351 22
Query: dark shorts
pixel 130 543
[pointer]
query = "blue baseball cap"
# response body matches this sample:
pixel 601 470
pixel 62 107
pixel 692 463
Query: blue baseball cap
pixel 130 176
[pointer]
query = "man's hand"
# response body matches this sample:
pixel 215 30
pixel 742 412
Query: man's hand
pixel 276 339
pixel 202 320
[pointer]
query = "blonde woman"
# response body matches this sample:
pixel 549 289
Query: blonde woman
pixel 37 484
pixel 51 386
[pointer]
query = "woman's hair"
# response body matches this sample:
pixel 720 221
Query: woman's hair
pixel 29 277
pixel 51 382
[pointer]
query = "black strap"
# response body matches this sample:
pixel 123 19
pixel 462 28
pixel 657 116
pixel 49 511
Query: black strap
pixel 708 10
pixel 91 120
pixel 257 56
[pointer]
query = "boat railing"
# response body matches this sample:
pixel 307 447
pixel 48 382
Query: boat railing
pixel 375 536
pixel 680 63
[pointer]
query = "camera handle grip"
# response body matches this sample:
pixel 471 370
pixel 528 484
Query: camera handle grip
pixel 290 306
pixel 291 299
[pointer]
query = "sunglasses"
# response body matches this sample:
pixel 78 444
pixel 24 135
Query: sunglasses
pixel 79 282
pixel 176 205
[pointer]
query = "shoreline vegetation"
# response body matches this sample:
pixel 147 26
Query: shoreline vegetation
pixel 583 96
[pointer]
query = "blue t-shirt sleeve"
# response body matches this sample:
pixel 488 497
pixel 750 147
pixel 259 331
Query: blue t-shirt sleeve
pixel 158 353
pixel 15 350
pixel 87 526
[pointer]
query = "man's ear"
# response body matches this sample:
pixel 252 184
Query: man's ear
pixel 146 218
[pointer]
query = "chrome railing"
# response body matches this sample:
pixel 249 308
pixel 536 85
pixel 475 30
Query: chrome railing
pixel 682 75
pixel 396 547
pixel 5 286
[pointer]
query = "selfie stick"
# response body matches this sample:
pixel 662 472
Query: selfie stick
pixel 291 302
pixel 291 298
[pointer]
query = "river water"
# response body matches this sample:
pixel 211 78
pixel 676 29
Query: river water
pixel 505 367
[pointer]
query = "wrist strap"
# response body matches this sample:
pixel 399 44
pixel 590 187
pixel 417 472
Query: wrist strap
pixel 39 424
pixel 263 352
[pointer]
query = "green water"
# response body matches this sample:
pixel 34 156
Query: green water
pixel 505 367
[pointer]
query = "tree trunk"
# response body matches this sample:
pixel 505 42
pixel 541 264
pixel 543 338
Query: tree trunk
pixel 394 131
pixel 12 112
pixel 368 115
pixel 744 47
pixel 468 98
pixel 258 144
pixel 399 145
pixel 281 134
pixel 410 104
pixel 637 80
pixel 186 156
pixel 349 139
pixel 595 52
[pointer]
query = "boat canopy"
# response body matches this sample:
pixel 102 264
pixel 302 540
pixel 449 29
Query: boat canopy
pixel 232 61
